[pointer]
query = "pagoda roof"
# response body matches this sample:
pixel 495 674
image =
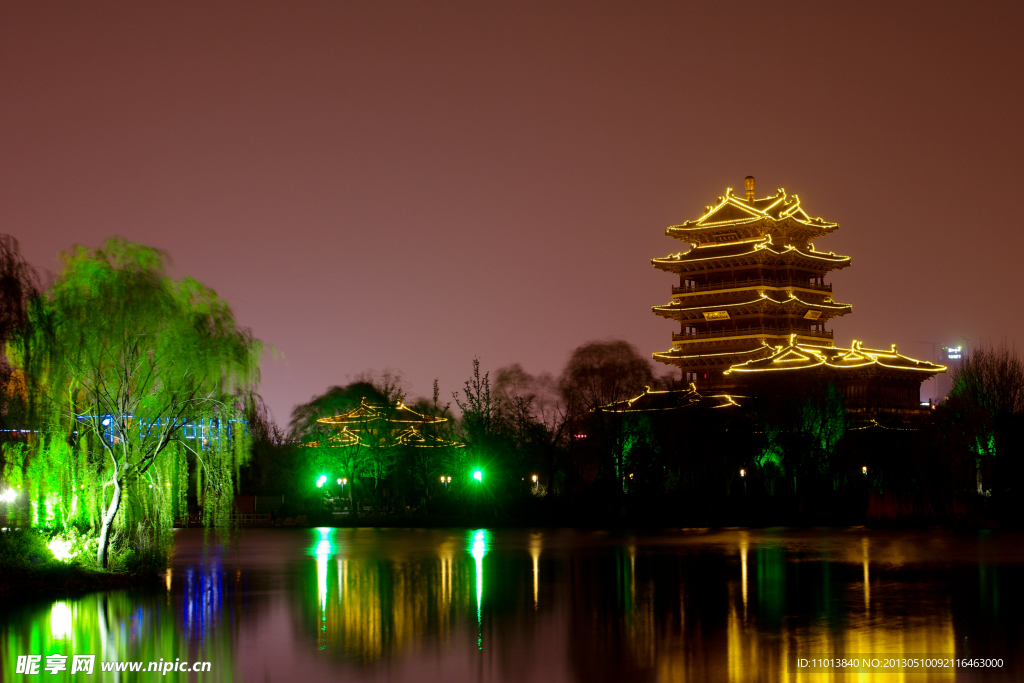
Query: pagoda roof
pixel 342 439
pixel 797 356
pixel 658 401
pixel 730 357
pixel 731 211
pixel 790 302
pixel 752 249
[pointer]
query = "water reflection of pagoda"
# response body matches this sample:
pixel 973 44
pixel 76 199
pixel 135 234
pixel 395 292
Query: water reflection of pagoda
pixel 752 298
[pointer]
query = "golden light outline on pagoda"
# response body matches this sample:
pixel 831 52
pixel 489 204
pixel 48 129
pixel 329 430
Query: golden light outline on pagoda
pixel 766 245
pixel 762 244
pixel 824 304
pixel 369 412
pixel 821 358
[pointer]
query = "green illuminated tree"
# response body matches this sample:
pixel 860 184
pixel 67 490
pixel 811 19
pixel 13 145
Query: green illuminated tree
pixel 802 421
pixel 985 411
pixel 377 451
pixel 136 375
pixel 481 423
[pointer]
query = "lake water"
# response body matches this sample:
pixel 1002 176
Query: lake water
pixel 301 605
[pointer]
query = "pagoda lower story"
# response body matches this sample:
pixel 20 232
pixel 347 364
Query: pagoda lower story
pixel 752 284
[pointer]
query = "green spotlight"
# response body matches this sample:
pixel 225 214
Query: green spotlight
pixel 321 481
pixel 478 475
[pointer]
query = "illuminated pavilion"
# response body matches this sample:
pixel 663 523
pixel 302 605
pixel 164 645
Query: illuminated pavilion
pixel 381 426
pixel 752 298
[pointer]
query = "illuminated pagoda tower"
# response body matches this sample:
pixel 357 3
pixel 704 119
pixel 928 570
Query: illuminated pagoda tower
pixel 751 280
pixel 752 302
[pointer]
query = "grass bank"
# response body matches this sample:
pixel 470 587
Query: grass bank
pixel 29 569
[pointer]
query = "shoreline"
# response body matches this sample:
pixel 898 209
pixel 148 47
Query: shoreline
pixel 64 580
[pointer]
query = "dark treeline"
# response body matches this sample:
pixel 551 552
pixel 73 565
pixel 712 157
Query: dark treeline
pixel 790 452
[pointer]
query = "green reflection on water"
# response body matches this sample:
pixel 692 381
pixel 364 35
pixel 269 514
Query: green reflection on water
pixel 120 626
pixel 478 550
pixel 323 550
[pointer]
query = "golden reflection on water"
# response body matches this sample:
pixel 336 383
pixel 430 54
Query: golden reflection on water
pixel 867 575
pixel 752 657
pixel 535 547
pixel 733 606
pixel 383 607
pixel 744 547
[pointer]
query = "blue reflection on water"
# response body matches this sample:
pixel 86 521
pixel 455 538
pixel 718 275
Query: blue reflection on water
pixel 201 603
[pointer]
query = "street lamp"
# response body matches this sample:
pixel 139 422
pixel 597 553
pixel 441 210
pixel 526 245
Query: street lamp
pixel 864 469
pixel 478 475
pixel 321 481
pixel 9 496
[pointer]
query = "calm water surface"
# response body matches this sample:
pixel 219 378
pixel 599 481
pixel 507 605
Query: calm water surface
pixel 513 605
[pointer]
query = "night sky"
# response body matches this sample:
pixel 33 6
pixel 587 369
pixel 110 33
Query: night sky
pixel 409 185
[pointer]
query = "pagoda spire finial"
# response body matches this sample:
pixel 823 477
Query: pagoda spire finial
pixel 748 182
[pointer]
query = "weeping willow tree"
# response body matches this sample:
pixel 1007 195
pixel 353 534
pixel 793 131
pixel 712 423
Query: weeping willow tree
pixel 141 383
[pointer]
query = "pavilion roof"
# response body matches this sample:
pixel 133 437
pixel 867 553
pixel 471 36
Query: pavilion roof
pixel 342 439
pixel 413 437
pixel 369 412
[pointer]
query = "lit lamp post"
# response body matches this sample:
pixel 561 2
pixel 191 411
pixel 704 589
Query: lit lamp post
pixel 864 470
pixel 478 475
pixel 445 481
pixel 536 485
pixel 743 476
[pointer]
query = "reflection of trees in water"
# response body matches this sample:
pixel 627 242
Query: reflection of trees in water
pixel 142 626
pixel 372 608
pixel 689 617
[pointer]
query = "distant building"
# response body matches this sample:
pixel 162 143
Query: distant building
pixel 951 357
pixel 752 298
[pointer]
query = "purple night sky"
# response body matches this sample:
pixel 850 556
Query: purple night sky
pixel 408 185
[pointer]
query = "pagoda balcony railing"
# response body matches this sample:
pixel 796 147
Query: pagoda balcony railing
pixel 755 282
pixel 753 331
